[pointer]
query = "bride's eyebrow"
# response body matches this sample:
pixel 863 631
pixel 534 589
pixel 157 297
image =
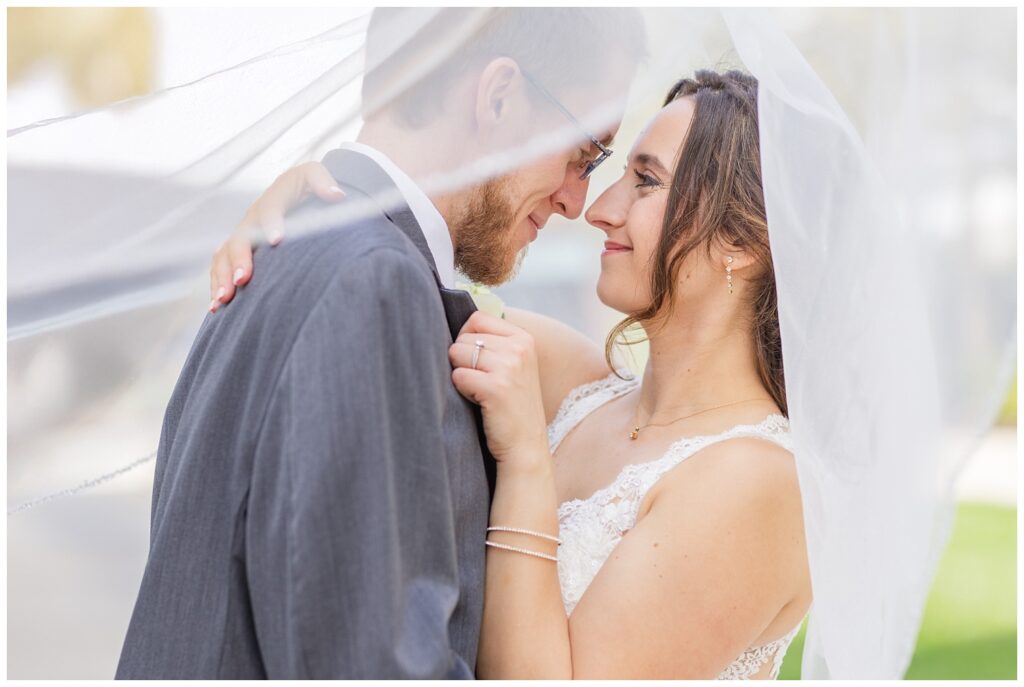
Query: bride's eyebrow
pixel 648 160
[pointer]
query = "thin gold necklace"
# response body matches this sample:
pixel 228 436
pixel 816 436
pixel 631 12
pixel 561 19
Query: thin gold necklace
pixel 636 430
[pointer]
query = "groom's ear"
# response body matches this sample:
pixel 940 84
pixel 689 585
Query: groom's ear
pixel 499 93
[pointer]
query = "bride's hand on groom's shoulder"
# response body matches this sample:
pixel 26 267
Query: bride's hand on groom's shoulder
pixel 505 384
pixel 264 220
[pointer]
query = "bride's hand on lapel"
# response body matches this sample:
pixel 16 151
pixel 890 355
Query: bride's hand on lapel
pixel 232 263
pixel 505 384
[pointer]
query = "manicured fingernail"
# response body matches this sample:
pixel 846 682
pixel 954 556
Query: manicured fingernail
pixel 335 189
pixel 239 273
pixel 275 237
pixel 220 293
pixel 213 305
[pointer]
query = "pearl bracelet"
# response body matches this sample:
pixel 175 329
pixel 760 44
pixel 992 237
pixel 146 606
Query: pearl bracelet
pixel 517 530
pixel 519 550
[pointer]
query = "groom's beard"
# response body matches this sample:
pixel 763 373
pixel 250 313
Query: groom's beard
pixel 485 248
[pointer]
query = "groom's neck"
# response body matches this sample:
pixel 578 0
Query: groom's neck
pixel 398 145
pixel 420 153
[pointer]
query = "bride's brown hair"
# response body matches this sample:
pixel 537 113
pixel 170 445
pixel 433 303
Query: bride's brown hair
pixel 716 198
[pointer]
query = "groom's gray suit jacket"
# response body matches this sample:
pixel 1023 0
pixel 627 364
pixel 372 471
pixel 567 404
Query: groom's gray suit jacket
pixel 321 497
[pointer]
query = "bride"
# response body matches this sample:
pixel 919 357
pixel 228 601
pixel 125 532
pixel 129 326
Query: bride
pixel 652 527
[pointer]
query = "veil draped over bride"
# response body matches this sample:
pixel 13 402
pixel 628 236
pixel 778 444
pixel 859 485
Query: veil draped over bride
pixel 888 153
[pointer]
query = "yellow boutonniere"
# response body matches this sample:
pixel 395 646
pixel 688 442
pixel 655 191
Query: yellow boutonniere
pixel 484 299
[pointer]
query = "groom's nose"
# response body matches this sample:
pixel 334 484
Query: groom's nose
pixel 571 196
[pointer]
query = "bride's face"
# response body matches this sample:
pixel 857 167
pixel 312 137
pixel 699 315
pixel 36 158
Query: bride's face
pixel 631 211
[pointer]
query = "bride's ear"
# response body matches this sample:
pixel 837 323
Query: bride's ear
pixel 735 258
pixel 732 261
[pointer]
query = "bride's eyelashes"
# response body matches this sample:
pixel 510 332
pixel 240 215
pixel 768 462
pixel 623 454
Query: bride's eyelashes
pixel 647 181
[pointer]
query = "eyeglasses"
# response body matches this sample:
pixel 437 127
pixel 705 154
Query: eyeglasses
pixel 605 152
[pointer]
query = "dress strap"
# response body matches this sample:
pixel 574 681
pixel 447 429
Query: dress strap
pixel 585 399
pixel 635 480
pixel 774 428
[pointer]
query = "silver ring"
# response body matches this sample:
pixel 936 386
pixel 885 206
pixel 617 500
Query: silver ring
pixel 479 345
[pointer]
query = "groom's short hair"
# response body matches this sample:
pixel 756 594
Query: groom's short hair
pixel 412 54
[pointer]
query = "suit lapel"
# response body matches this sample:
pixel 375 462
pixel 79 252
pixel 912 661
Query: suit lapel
pixel 458 306
pixel 363 174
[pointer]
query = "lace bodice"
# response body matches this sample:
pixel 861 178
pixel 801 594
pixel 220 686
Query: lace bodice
pixel 591 528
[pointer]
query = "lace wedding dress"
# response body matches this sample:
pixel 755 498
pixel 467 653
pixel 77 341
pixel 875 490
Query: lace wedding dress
pixel 591 528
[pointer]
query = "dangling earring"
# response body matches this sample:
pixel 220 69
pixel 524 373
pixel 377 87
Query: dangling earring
pixel 728 272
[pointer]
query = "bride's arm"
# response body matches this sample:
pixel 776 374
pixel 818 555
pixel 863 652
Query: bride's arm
pixel 706 571
pixel 231 266
pixel 566 357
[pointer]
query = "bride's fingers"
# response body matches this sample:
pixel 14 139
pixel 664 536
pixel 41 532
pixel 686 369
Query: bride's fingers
pixel 471 383
pixel 461 355
pixel 270 217
pixel 484 323
pixel 492 341
pixel 220 279
pixel 320 182
pixel 269 210
pixel 239 252
pixel 214 303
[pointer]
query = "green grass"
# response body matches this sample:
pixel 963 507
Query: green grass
pixel 1008 413
pixel 970 621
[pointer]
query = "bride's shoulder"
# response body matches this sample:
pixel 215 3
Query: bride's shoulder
pixel 740 500
pixel 757 474
pixel 756 460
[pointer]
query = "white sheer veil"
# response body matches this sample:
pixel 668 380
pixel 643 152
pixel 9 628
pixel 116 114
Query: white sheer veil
pixel 897 305
pixel 889 174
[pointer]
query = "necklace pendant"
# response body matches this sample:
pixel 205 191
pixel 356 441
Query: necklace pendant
pixel 636 432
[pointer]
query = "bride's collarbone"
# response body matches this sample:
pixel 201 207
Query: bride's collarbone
pixel 594 453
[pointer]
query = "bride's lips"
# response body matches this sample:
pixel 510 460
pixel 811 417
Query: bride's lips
pixel 612 248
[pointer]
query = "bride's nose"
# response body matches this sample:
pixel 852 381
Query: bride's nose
pixel 608 212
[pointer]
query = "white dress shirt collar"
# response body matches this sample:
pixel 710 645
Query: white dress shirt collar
pixel 435 229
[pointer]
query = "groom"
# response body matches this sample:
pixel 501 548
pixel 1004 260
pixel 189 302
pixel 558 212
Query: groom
pixel 321 492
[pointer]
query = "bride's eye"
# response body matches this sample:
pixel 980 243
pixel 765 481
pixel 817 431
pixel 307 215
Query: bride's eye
pixel 647 181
